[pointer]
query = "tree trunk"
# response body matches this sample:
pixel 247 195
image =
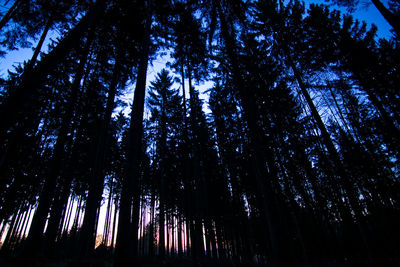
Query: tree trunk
pixel 151 227
pixel 9 13
pixel 38 48
pixel 132 171
pixel 265 193
pixel 391 18
pixel 88 231
pixel 179 235
pixel 114 223
pixel 108 216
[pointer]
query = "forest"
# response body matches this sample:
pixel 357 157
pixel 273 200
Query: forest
pixel 290 157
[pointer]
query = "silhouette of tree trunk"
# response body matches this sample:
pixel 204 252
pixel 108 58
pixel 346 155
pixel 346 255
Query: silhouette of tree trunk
pixel 265 192
pixel 151 226
pixel 39 45
pixel 127 233
pixel 197 234
pixel 114 222
pixel 9 13
pixel 88 231
pixel 392 19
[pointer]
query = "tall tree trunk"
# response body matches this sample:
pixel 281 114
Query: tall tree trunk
pixel 88 231
pixel 270 215
pixel 68 218
pixel 197 234
pixel 126 231
pixel 163 152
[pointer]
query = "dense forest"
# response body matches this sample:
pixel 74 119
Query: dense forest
pixel 291 157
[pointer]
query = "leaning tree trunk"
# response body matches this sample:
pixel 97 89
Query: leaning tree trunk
pixel 38 48
pixel 392 19
pixel 9 13
pixel 334 155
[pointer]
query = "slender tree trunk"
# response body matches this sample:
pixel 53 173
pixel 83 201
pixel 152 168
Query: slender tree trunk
pixel 220 240
pixel 126 231
pixel 179 235
pixel 151 227
pixel 108 216
pixel 172 235
pixel 3 228
pixel 188 236
pixel 114 223
pixel 167 233
pixel 9 13
pixel 38 48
